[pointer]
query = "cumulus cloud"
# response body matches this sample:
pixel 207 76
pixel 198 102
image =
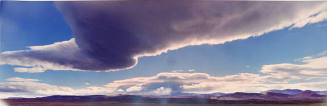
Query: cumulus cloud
pixel 310 67
pixel 273 76
pixel 112 35
pixel 169 83
pixel 306 73
pixel 21 87
pixel 160 84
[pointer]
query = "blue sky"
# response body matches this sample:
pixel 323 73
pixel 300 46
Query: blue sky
pixel 27 24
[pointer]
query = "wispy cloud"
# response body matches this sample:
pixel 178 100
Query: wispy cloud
pixel 18 79
pixel 307 75
pixel 21 87
pixel 42 58
pixel 310 67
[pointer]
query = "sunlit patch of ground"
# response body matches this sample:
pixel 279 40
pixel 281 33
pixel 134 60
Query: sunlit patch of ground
pixel 3 103
pixel 325 103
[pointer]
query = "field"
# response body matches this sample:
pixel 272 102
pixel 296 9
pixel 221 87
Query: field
pixel 26 103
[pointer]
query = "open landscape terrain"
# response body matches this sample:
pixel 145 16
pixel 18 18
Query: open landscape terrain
pixel 288 97
pixel 143 104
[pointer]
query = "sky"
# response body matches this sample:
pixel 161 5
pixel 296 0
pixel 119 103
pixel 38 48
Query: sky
pixel 83 48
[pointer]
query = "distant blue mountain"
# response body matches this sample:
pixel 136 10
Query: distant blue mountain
pixel 270 95
pixel 198 95
pixel 321 92
pixel 286 91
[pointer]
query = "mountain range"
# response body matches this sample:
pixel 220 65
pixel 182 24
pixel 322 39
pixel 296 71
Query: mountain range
pixel 280 96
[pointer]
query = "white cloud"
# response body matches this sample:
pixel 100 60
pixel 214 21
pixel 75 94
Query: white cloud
pixel 191 70
pixel 134 89
pixel 303 76
pixel 314 18
pixel 98 48
pixel 41 58
pixel 87 83
pixel 309 68
pixel 160 84
pixel 177 71
pixel 180 71
pixel 161 91
pixel 21 87
pixel 35 69
pixel 18 79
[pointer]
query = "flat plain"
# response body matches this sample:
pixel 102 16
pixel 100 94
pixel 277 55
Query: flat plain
pixel 25 103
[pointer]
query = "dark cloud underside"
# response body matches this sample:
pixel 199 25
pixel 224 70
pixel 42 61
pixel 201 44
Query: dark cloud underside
pixel 112 35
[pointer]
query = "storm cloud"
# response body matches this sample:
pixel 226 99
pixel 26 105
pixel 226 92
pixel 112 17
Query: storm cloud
pixel 112 35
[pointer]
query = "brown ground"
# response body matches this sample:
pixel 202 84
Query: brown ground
pixel 142 104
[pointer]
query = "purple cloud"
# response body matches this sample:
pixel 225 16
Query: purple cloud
pixel 112 35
